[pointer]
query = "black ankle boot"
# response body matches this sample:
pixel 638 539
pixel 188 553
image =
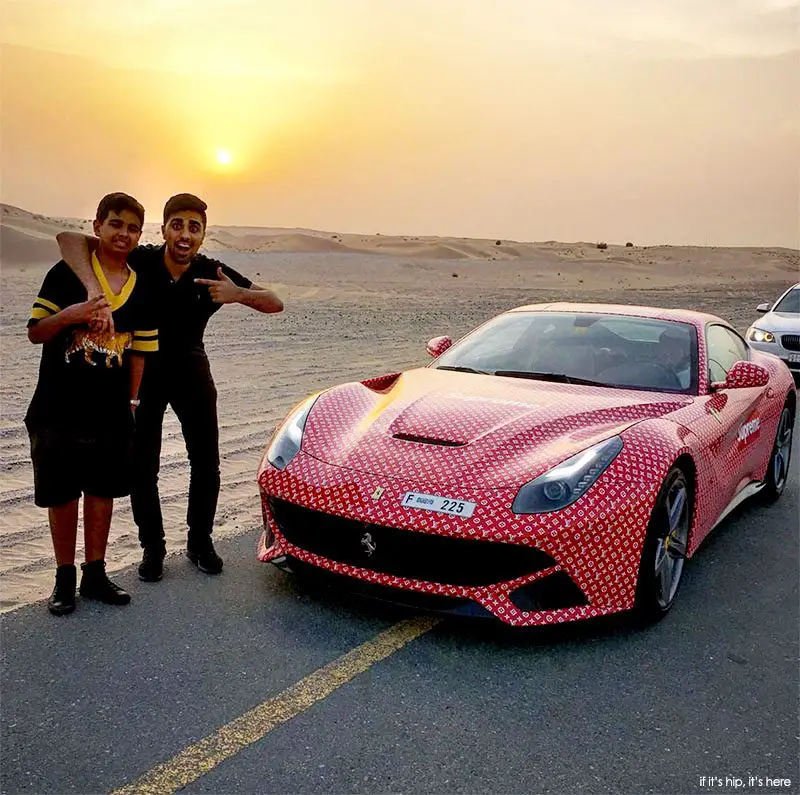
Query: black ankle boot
pixel 96 585
pixel 62 600
pixel 151 569
pixel 203 555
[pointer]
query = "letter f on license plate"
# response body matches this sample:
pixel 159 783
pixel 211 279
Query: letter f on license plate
pixel 433 502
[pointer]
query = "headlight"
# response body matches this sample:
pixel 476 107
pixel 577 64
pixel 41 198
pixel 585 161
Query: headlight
pixel 757 335
pixel 567 482
pixel 285 444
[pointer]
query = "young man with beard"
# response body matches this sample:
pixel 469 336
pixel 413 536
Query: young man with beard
pixel 80 419
pixel 190 287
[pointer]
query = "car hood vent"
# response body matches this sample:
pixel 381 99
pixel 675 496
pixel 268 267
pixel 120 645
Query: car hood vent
pixel 410 437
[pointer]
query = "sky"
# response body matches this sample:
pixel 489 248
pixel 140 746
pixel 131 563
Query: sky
pixel 654 121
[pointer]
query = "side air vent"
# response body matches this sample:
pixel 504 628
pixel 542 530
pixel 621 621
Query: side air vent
pixel 409 437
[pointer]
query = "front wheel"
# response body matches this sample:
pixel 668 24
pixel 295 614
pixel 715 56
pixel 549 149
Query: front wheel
pixel 778 467
pixel 665 547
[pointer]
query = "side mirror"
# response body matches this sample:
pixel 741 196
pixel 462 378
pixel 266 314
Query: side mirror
pixel 762 308
pixel 744 375
pixel 438 345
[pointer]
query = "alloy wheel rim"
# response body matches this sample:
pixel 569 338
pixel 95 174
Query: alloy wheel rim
pixel 783 450
pixel 671 549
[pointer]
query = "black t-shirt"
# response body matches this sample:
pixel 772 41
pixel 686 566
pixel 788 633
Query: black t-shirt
pixel 183 308
pixel 84 378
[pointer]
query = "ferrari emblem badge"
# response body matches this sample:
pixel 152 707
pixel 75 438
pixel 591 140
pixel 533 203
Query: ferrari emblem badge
pixel 378 493
pixel 368 544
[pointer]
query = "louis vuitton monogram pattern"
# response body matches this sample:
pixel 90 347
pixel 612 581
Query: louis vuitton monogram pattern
pixel 480 438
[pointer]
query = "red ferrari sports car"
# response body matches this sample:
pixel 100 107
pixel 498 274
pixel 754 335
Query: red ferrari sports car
pixel 560 462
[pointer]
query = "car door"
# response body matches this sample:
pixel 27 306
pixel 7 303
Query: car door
pixel 741 440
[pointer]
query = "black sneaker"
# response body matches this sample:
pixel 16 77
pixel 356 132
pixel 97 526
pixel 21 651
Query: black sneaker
pixel 62 600
pixel 96 585
pixel 204 557
pixel 151 569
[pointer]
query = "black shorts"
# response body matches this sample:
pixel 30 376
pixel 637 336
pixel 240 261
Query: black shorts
pixel 68 463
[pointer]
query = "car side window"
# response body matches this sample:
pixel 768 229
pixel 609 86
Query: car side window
pixel 725 348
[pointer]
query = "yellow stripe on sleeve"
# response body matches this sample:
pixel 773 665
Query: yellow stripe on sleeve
pixel 143 346
pixel 48 304
pixel 140 334
pixel 37 313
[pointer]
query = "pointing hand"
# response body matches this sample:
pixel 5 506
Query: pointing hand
pixel 223 290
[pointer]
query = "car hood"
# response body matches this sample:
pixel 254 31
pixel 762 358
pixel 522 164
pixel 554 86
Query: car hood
pixel 782 322
pixel 446 428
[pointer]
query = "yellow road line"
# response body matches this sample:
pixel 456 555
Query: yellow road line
pixel 202 757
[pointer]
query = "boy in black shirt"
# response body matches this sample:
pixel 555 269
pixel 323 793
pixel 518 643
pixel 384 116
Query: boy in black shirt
pixel 80 419
pixel 190 287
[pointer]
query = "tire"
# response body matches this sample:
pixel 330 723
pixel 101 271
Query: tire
pixel 665 546
pixel 779 460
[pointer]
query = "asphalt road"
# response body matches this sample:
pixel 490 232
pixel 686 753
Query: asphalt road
pixel 93 701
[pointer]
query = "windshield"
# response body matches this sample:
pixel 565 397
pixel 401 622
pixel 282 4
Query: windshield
pixel 789 303
pixel 573 347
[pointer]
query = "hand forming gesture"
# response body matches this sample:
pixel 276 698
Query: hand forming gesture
pixel 96 312
pixel 222 291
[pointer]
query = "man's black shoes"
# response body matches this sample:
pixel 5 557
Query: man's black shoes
pixel 151 569
pixel 96 585
pixel 203 556
pixel 62 600
pixel 201 553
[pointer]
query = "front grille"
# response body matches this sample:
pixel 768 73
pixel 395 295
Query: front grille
pixel 435 603
pixel 406 553
pixel 791 342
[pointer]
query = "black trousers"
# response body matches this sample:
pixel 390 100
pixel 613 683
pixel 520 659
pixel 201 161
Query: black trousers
pixel 189 389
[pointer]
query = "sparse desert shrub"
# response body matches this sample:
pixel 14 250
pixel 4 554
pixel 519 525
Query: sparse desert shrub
pixel 498 242
pixel 602 246
pixel 629 244
pixel 455 275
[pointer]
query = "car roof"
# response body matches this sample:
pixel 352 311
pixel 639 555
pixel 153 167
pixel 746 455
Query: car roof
pixel 657 313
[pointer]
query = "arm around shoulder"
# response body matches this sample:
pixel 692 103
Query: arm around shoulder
pixel 76 250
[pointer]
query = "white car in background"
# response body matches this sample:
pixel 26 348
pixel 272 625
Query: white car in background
pixel 778 332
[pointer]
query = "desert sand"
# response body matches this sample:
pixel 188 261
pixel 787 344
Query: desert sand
pixel 356 306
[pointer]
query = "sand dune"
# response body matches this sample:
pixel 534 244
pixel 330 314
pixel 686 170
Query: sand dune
pixel 25 237
pixel 356 306
pixel 18 247
pixel 293 242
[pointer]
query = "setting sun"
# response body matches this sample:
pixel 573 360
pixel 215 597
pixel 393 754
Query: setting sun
pixel 224 157
pixel 692 106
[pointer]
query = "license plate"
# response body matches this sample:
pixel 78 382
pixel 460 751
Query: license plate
pixel 794 357
pixel 432 502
